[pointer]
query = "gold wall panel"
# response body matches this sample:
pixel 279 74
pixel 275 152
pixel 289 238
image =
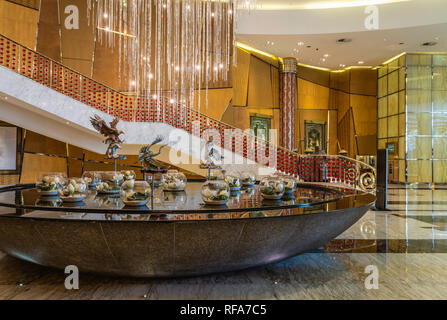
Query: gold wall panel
pixel 48 39
pixel 402 101
pixel 382 130
pixel 383 107
pixel 401 78
pixel 340 80
pixel 367 144
pixel 19 23
pixel 218 100
pixel 440 148
pixel 439 81
pixel 365 114
pixel 439 101
pixel 402 124
pixel 401 148
pixel 419 77
pixel 381 143
pixel 342 101
pixel 363 81
pixel 274 75
pixel 317 76
pixel 77 46
pixel 382 71
pixel 6 179
pixel 393 126
pixel 393 82
pixel 418 59
pixel 419 101
pixel 393 104
pixel 419 171
pixel 259 84
pixel 419 123
pixel 240 78
pixel 383 86
pixel 440 60
pixel 311 95
pixel 440 172
pixel 393 65
pixel 34 165
pixel 419 147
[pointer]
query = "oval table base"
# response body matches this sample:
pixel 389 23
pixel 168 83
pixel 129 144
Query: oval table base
pixel 170 248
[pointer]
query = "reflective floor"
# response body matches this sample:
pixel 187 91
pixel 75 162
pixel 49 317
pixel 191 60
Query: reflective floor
pixel 407 245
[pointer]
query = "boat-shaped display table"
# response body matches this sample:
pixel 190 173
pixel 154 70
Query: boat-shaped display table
pixel 180 237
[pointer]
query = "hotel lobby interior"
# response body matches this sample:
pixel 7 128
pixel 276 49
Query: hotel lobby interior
pixel 223 149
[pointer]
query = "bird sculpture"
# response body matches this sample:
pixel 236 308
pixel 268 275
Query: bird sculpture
pixel 111 133
pixel 147 157
pixel 212 154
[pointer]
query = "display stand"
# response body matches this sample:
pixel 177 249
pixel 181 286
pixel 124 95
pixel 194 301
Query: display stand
pixel 114 160
pixel 152 172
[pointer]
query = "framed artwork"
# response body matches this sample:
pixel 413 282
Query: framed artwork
pixel 260 126
pixel 315 135
pixel 8 148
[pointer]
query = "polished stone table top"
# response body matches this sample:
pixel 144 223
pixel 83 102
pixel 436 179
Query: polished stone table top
pixel 24 201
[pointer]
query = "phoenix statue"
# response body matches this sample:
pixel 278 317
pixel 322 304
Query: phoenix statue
pixel 147 156
pixel 111 133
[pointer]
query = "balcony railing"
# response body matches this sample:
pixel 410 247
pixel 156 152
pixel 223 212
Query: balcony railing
pixel 58 77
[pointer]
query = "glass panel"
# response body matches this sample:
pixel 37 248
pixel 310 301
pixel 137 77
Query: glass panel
pixel 440 124
pixel 418 77
pixel 393 82
pixel 439 101
pixel 439 78
pixel 419 170
pixel 393 104
pixel 418 59
pixel 440 171
pixel 419 147
pixel 418 123
pixel 382 128
pixel 440 60
pixel 393 126
pixel 418 100
pixel 383 107
pixel 440 148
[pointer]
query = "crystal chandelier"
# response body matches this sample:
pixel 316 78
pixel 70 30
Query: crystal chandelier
pixel 169 48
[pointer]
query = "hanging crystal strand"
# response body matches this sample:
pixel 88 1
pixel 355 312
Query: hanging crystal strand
pixel 159 43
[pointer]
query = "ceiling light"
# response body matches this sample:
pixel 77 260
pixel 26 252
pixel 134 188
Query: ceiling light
pixel 301 43
pixel 326 55
pixel 342 65
pixel 429 44
pixel 361 62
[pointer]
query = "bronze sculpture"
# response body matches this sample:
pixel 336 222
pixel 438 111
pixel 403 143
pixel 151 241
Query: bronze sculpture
pixel 147 157
pixel 110 132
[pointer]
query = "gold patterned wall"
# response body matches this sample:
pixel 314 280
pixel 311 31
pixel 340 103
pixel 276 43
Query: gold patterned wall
pixel 18 22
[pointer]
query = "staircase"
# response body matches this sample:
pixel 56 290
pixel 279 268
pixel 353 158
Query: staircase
pixel 62 112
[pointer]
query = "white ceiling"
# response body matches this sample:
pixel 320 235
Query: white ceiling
pixel 371 47
pixel 278 26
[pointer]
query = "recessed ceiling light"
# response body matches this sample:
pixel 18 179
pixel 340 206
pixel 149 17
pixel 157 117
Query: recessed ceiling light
pixel 361 62
pixel 301 43
pixel 342 65
pixel 326 55
pixel 429 44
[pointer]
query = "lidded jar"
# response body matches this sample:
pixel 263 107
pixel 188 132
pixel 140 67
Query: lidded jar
pixel 289 184
pixel 91 178
pixel 271 188
pixel 135 193
pixel 73 191
pixel 173 181
pixel 48 184
pixel 215 192
pixel 233 182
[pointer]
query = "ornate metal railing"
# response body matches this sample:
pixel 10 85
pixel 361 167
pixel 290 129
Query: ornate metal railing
pixel 56 76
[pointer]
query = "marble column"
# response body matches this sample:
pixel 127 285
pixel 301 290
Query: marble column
pixel 287 102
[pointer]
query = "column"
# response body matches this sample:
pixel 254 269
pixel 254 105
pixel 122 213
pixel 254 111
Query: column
pixel 287 102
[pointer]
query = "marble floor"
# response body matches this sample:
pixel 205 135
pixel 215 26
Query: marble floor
pixel 407 245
